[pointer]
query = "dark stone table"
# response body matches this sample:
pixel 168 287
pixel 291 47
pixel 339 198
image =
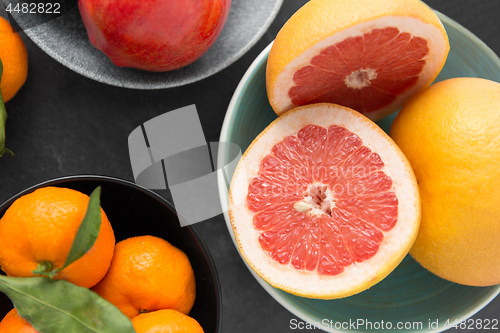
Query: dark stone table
pixel 62 123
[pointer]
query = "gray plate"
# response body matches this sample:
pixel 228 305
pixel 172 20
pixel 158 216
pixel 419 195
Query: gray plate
pixel 65 40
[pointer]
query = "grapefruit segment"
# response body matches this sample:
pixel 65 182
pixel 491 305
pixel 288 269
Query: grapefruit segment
pixel 264 194
pixel 323 204
pixel 334 254
pixel 368 55
pixel 361 238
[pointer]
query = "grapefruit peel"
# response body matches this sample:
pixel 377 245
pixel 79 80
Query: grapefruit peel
pixel 355 277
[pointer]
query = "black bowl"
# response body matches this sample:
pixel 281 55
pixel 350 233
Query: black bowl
pixel 134 211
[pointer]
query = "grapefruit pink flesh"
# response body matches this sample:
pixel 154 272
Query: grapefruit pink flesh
pixel 365 73
pixel 321 200
pixel 323 204
pixel 371 56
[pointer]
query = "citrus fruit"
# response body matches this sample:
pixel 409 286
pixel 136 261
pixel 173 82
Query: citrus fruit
pixel 368 55
pixel 153 35
pixel 450 133
pixel 147 274
pixel 14 59
pixel 165 321
pixel 13 323
pixel 323 204
pixel 39 228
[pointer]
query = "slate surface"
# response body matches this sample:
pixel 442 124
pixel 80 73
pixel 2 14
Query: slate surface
pixel 62 123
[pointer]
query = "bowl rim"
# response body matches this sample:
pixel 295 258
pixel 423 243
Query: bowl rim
pixel 305 314
pixel 150 193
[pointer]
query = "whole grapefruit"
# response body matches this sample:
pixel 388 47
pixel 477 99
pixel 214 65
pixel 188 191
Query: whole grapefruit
pixel 450 133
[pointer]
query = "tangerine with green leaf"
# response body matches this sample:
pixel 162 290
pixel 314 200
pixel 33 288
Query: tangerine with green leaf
pixel 37 232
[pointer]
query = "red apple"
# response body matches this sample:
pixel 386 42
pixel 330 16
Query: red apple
pixel 154 35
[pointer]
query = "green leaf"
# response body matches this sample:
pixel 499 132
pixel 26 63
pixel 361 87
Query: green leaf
pixel 88 231
pixel 58 306
pixel 85 237
pixel 3 119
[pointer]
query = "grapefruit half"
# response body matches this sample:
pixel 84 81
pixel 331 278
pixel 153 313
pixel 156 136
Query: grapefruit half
pixel 371 56
pixel 323 203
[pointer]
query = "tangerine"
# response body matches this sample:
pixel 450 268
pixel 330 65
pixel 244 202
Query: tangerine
pixel 147 274
pixel 165 321
pixel 13 323
pixel 14 58
pixel 38 229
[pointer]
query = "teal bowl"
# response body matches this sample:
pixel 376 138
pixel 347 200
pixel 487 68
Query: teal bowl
pixel 410 299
